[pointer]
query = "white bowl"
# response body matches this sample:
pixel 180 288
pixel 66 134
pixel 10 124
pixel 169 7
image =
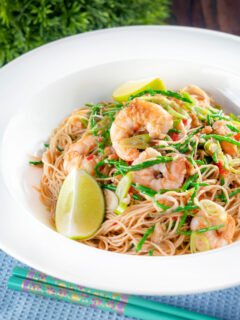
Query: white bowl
pixel 42 87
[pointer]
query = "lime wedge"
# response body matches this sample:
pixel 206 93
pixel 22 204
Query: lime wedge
pixel 80 206
pixel 132 88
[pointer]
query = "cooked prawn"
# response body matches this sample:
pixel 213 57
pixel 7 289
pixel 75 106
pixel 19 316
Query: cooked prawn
pixel 75 157
pixel 139 115
pixel 221 129
pixel 160 176
pixel 216 238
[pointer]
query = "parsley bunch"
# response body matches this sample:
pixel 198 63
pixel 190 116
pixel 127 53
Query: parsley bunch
pixel 27 24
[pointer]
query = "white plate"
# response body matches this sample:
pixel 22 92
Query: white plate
pixel 39 89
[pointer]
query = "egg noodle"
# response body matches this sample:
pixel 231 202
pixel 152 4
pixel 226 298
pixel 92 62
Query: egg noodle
pixel 153 220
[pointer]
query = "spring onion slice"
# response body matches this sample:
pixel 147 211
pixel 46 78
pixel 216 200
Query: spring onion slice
pixel 123 187
pixel 194 242
pixel 137 142
pixel 121 208
pixel 141 242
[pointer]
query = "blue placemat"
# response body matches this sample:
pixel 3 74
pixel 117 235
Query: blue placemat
pixel 223 304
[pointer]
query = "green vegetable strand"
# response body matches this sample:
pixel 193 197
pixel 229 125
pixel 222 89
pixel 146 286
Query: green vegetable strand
pixel 150 253
pixel 202 230
pixel 189 181
pixel 147 191
pixel 234 193
pixel 136 197
pixel 109 187
pixel 167 93
pixel 175 130
pixel 234 129
pixel 36 163
pixel 221 138
pixel 147 233
pixel 186 208
pixel 59 149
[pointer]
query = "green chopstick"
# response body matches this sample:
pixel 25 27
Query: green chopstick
pixel 86 299
pixel 24 279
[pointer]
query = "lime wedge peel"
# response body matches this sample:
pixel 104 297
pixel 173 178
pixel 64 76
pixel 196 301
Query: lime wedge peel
pixel 80 206
pixel 123 92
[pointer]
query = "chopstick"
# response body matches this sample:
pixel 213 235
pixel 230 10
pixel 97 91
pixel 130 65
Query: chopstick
pixel 29 280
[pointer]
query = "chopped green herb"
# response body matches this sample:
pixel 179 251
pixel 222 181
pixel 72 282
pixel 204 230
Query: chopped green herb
pixel 147 233
pixel 46 145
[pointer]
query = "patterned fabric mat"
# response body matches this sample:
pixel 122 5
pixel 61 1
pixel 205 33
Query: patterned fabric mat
pixel 223 304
